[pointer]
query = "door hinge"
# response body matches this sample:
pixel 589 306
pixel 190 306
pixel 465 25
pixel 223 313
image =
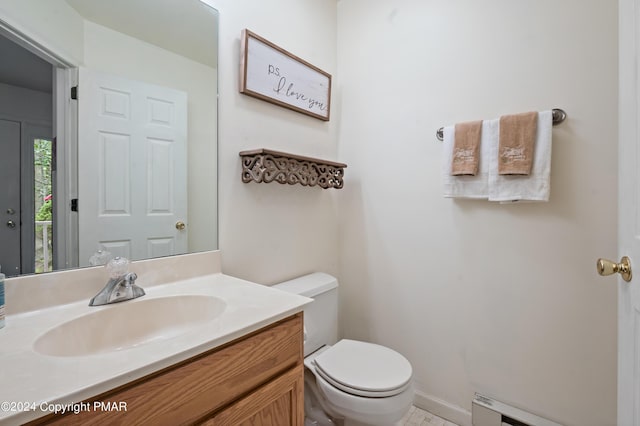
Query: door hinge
pixel 74 92
pixel 74 204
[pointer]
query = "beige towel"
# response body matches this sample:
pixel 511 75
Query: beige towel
pixel 515 148
pixel 466 148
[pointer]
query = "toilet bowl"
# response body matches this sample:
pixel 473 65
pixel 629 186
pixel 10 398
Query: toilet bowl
pixel 348 381
pixel 360 382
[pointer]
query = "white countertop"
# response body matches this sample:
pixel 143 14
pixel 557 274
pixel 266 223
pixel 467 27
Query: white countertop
pixel 38 380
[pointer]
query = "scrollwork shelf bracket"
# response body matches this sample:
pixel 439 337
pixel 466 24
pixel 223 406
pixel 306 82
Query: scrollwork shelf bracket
pixel 264 165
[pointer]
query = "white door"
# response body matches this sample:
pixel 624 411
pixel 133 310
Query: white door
pixel 10 197
pixel 629 215
pixel 132 177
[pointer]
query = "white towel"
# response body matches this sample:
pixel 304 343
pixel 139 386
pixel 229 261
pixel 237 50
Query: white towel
pixel 465 186
pixel 534 187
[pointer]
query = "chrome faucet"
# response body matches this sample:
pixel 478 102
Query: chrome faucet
pixel 121 285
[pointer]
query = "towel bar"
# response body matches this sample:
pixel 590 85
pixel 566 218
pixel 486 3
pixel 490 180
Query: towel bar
pixel 558 117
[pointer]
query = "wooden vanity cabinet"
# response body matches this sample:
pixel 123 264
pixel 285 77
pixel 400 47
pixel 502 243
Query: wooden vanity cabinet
pixel 255 380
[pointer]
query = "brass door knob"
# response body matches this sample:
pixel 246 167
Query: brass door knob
pixel 180 225
pixel 607 267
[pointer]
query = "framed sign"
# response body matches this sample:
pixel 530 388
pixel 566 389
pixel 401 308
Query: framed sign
pixel 272 74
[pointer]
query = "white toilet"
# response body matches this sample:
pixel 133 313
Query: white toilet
pixel 347 382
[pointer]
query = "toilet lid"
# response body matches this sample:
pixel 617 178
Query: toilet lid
pixel 364 369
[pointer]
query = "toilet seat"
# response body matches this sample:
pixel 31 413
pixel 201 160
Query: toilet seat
pixel 364 369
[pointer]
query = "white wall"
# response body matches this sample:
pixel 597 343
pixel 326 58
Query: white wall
pixel 20 104
pixel 116 53
pixel 498 299
pixel 272 232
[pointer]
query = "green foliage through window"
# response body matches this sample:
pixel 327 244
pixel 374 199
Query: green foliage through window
pixel 43 204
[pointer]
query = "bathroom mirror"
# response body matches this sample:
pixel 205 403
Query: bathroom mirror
pixel 108 131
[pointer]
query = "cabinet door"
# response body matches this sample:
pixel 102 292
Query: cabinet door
pixel 278 403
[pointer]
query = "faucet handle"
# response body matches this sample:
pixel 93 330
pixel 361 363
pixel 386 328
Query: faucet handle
pixel 101 257
pixel 118 267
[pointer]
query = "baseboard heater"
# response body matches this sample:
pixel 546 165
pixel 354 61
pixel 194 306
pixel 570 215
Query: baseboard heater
pixel 489 412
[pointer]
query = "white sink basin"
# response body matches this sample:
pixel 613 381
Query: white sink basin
pixel 128 324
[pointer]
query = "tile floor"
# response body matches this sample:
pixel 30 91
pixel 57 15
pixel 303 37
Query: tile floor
pixel 419 417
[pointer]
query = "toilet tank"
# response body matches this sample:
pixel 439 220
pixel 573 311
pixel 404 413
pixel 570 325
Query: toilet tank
pixel 320 316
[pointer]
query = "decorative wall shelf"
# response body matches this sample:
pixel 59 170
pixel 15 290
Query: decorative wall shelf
pixel 265 165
